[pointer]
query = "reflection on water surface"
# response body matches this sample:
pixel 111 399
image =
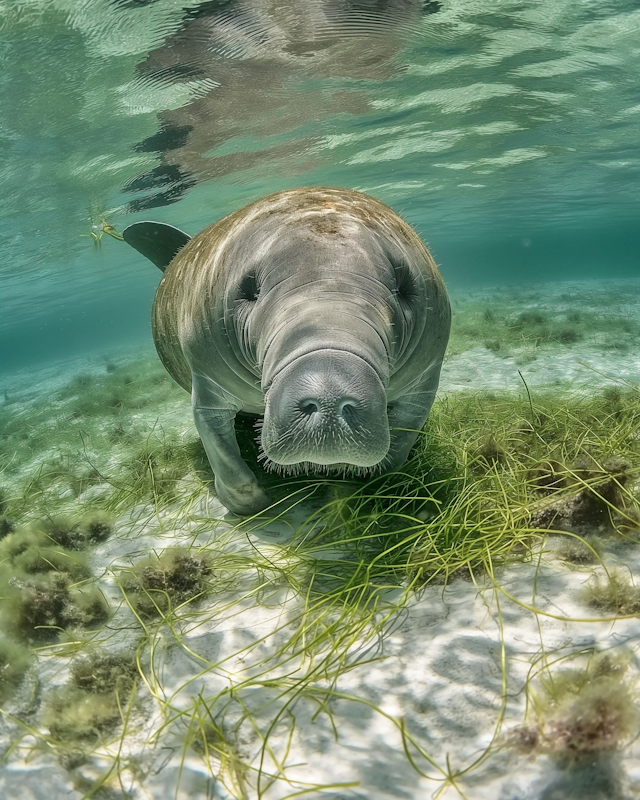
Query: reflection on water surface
pixel 506 132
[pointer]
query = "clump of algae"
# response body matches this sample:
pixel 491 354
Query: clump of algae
pixel 582 713
pixel 614 594
pixel 92 528
pixel 46 590
pixel 157 585
pixel 15 660
pixel 54 543
pixel 95 699
pixel 37 609
pixel 102 673
pixel 61 531
pixel 96 527
pixel 579 551
pixel 7 525
pixel 45 582
pixel 30 550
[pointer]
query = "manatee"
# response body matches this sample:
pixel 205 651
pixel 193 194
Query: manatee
pixel 318 308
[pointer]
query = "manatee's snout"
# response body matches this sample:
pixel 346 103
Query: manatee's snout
pixel 326 407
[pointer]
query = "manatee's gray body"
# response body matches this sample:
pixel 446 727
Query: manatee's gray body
pixel 319 308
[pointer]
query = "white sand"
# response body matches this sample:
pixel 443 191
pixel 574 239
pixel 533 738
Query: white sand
pixel 435 669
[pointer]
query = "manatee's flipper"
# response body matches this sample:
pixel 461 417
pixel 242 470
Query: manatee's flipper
pixel 156 241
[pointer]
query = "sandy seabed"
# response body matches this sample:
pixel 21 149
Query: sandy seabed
pixel 432 698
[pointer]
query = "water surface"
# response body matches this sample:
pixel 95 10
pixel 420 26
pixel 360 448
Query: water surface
pixel 506 132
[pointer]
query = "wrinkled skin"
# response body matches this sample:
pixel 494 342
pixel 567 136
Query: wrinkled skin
pixel 319 308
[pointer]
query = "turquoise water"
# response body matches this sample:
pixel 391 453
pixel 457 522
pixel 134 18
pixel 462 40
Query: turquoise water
pixel 153 646
pixel 506 132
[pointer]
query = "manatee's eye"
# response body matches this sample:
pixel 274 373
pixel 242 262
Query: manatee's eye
pixel 405 282
pixel 248 289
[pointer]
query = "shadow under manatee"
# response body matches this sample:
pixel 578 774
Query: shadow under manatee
pixel 259 71
pixel 311 490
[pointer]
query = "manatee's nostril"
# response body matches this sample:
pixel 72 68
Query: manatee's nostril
pixel 309 407
pixel 347 412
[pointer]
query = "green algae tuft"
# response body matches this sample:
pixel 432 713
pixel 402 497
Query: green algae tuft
pixel 29 550
pixel 7 525
pixel 38 608
pixel 103 672
pixel 61 531
pixel 613 594
pixel 72 715
pixel 582 713
pixel 158 585
pixel 97 527
pixel 579 552
pixel 15 660
pixel 92 704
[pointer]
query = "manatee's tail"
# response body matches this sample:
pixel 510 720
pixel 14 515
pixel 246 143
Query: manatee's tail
pixel 156 241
